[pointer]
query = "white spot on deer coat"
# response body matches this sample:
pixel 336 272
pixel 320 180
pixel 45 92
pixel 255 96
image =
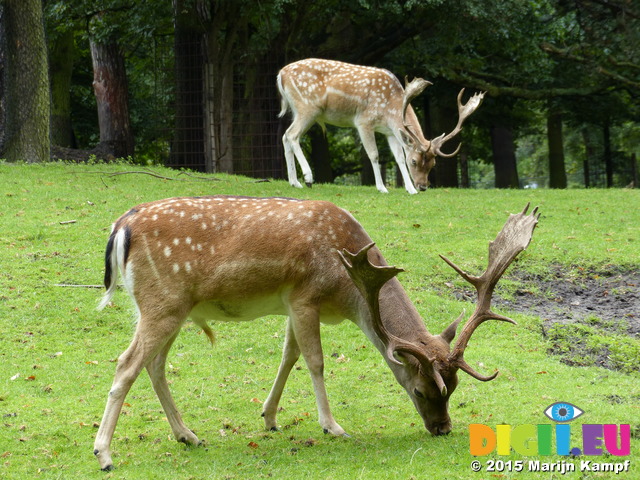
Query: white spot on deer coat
pixel 167 251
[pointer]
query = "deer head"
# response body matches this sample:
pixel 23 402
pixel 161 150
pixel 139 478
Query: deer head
pixel 422 153
pixel 431 362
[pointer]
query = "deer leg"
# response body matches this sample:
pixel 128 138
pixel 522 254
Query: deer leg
pixel 156 370
pixel 291 142
pixel 306 327
pixel 398 154
pixel 146 344
pixel 368 138
pixel 290 355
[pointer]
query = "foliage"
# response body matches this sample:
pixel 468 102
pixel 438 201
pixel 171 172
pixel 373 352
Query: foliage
pixel 58 355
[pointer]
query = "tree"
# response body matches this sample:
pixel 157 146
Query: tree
pixel 110 87
pixel 61 55
pixel 557 173
pixel 27 82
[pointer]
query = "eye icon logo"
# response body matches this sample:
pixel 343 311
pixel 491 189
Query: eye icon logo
pixel 562 412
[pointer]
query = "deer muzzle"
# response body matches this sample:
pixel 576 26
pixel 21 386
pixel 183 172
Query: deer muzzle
pixel 439 428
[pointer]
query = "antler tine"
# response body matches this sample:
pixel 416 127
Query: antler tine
pixel 369 279
pixel 514 237
pixel 463 112
pixel 412 90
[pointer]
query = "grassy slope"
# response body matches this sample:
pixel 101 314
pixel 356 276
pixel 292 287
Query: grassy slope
pixel 63 350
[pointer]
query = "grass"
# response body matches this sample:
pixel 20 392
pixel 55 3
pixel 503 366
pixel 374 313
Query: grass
pixel 57 353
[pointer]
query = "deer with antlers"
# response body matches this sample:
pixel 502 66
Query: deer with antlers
pixel 371 100
pixel 240 258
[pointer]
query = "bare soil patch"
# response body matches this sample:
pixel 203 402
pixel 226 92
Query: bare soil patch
pixel 589 317
pixel 592 318
pixel 611 296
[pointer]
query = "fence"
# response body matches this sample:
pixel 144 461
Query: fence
pixel 256 148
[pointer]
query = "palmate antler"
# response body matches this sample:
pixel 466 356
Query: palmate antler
pixel 412 89
pixel 463 112
pixel 369 279
pixel 512 239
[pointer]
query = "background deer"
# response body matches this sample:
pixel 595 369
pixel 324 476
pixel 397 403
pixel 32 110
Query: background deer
pixel 369 99
pixel 238 258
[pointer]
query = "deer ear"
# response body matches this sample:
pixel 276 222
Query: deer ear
pixel 411 141
pixel 450 332
pixel 400 357
pixel 406 138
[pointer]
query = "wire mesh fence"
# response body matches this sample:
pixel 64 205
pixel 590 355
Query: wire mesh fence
pixel 255 129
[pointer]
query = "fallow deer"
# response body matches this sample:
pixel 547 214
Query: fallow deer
pixel 371 100
pixel 240 258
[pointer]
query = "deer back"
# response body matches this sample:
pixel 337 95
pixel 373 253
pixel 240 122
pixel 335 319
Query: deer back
pixel 243 256
pixel 343 94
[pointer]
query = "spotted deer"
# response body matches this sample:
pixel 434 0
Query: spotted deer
pixel 371 100
pixel 234 259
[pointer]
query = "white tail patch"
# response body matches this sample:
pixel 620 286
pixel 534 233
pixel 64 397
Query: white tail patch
pixel 116 261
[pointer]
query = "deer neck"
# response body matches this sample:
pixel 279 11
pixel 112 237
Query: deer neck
pixel 412 120
pixel 399 316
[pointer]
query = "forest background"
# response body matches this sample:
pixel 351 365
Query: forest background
pixel 191 84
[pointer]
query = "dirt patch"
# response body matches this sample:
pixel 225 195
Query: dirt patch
pixel 589 318
pixel 613 298
pixel 592 318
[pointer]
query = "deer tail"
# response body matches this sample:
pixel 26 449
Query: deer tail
pixel 284 104
pixel 115 258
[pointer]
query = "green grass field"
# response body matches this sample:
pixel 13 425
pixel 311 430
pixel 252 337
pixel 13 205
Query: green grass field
pixel 57 352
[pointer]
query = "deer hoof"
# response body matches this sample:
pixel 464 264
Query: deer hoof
pixel 308 184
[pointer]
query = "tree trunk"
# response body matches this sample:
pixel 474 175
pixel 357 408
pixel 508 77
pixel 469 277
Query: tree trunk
pixel 443 119
pixel 608 157
pixel 61 68
pixel 504 157
pixel 267 144
pixel 218 115
pixel 3 69
pixel 320 158
pixel 187 146
pixel 557 172
pixel 112 97
pixel 367 176
pixel 591 152
pixel 634 172
pixel 464 171
pixel 27 83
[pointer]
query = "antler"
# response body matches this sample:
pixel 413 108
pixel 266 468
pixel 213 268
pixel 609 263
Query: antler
pixel 463 112
pixel 512 239
pixel 369 279
pixel 411 90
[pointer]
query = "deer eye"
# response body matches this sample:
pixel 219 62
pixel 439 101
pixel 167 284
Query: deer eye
pixel 418 393
pixel 414 163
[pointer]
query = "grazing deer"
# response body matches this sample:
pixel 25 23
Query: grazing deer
pixel 371 100
pixel 240 258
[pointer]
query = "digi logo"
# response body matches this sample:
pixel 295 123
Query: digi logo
pixel 562 412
